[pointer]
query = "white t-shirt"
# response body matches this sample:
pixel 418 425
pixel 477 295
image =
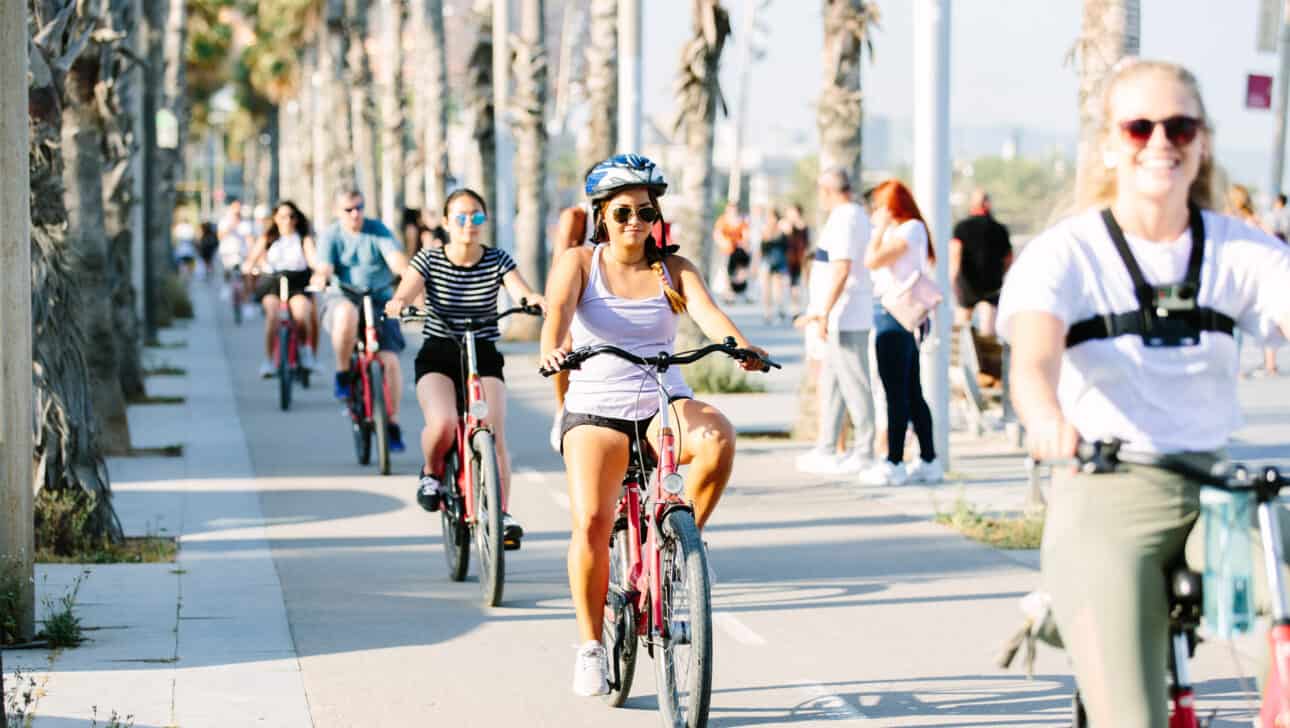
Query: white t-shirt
pixel 286 254
pixel 845 237
pixel 234 241
pixel 1158 400
pixel 817 294
pixel 913 259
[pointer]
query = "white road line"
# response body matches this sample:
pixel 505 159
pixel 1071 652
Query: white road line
pixel 738 630
pixel 834 707
pixel 561 498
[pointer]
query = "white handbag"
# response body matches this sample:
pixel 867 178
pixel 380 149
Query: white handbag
pixel 911 301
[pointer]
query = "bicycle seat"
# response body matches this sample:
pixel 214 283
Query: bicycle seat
pixel 642 451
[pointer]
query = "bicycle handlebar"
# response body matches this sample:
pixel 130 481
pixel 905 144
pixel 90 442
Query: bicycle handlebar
pixel 1103 456
pixel 412 313
pixel 662 360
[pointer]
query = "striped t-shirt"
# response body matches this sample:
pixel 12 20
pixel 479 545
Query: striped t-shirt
pixel 455 292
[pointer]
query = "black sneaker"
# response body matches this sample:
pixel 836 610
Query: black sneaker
pixel 429 492
pixel 512 532
pixel 396 437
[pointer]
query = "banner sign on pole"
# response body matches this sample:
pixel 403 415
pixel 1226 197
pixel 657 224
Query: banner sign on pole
pixel 1258 91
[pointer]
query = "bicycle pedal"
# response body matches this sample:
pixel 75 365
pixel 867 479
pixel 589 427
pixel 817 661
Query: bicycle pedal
pixel 511 544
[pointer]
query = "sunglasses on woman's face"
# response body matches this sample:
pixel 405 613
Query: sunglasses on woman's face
pixel 1179 130
pixel 621 215
pixel 475 218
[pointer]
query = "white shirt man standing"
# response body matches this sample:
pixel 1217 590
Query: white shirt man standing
pixel 844 378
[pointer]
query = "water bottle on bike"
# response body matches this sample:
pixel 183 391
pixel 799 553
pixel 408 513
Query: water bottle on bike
pixel 1229 564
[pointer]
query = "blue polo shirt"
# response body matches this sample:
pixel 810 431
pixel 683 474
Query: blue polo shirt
pixel 359 258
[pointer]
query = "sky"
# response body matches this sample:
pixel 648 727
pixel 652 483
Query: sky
pixel 1008 66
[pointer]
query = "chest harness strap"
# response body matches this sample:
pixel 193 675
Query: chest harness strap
pixel 1167 316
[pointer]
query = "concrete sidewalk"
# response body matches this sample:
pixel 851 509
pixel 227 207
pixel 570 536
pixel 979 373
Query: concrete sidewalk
pixel 203 641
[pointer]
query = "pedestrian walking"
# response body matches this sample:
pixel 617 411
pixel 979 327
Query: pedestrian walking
pixel 980 254
pixel 845 319
pixel 799 244
pixel 899 250
pixel 1277 221
pixel 731 236
pixel 773 270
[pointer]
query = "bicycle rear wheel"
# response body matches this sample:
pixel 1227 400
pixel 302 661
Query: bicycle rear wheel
pixel 284 369
pixel 684 664
pixel 618 632
pixel 380 419
pixel 488 518
pixel 235 295
pixel 456 534
pixel 362 431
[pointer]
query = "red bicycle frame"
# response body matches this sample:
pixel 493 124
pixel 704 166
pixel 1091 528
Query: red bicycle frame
pixel 286 322
pixel 470 422
pixel 367 355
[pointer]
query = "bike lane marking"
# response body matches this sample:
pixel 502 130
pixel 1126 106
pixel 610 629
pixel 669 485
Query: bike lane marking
pixel 833 706
pixel 734 627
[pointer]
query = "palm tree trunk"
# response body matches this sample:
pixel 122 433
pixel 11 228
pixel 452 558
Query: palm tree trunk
pixel 529 109
pixel 119 198
pixel 602 83
pixel 393 128
pixel 432 103
pixel 335 162
pixel 362 106
pixel 166 71
pixel 67 455
pixel 82 142
pixel 479 105
pixel 1109 31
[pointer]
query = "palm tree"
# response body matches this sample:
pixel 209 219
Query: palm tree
pixel 392 116
pixel 337 160
pixel 847 24
pixel 431 99
pixel 529 111
pixel 366 138
pixel 1109 31
pixel 479 107
pixel 67 455
pixel 698 94
pixel 602 83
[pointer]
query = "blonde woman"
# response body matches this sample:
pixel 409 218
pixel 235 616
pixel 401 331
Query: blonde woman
pixel 1092 360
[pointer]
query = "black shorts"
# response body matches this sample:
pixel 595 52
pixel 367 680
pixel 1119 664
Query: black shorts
pixel 635 430
pixel 447 357
pixel 297 282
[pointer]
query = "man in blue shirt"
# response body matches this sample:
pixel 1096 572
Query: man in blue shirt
pixel 362 252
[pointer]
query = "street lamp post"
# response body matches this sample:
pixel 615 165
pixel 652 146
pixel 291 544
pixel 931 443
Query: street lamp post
pixel 503 177
pixel 629 76
pixel 1282 94
pixel 932 185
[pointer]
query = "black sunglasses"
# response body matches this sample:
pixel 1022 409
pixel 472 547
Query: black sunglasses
pixel 621 215
pixel 1179 130
pixel 359 206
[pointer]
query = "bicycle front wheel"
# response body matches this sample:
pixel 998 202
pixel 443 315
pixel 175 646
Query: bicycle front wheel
pixel 684 664
pixel 235 295
pixel 618 632
pixel 488 518
pixel 380 419
pixel 456 534
pixel 284 369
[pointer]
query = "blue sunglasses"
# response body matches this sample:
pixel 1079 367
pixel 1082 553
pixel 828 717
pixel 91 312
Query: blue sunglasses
pixel 476 219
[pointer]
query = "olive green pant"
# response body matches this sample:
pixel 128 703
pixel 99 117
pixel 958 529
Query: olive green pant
pixel 1107 542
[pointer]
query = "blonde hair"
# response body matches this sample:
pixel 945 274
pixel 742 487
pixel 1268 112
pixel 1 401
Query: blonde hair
pixel 1238 202
pixel 1097 186
pixel 653 254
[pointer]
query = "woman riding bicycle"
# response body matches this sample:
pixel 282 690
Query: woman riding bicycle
pixel 629 293
pixel 285 249
pixel 1118 332
pixel 459 281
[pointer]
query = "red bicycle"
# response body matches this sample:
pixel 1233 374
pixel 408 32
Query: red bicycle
pixel 472 506
pixel 659 594
pixel 369 397
pixel 1185 592
pixel 286 349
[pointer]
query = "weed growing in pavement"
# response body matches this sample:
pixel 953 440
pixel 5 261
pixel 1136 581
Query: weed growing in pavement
pixel 174 291
pixel 1004 532
pixel 63 538
pixel 21 694
pixel 115 720
pixel 720 375
pixel 62 626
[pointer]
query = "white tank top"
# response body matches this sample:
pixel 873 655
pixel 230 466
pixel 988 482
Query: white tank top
pixel 606 385
pixel 286 254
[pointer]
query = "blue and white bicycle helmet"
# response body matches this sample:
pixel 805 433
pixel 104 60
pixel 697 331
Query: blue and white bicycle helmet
pixel 622 171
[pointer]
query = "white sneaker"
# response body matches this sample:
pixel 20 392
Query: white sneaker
pixel 884 472
pixel 307 360
pixel 851 464
pixel 924 472
pixel 555 430
pixel 817 461
pixel 591 670
pixel 268 369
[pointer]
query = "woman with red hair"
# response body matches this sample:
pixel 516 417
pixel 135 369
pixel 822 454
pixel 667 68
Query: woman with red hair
pixel 898 248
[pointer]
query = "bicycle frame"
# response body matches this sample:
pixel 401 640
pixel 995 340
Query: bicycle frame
pixel 366 351
pixel 468 423
pixel 286 322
